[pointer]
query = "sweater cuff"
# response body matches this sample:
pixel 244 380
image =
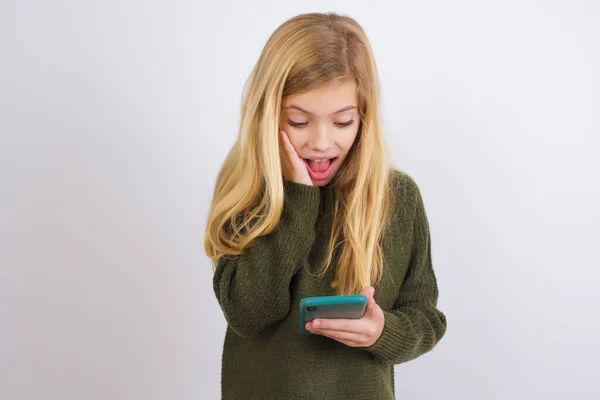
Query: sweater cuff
pixel 301 196
pixel 395 338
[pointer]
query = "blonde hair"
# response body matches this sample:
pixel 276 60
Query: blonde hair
pixel 302 54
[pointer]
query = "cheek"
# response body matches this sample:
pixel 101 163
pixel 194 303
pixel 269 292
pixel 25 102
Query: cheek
pixel 346 141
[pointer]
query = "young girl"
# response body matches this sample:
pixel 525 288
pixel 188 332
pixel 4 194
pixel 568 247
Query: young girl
pixel 306 205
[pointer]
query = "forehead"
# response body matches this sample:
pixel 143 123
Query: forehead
pixel 325 100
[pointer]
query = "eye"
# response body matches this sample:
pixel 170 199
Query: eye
pixel 345 124
pixel 296 124
pixel 303 124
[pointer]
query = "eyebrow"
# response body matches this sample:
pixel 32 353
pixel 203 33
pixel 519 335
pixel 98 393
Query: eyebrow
pixel 308 112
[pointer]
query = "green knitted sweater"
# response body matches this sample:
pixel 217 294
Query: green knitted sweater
pixel 266 357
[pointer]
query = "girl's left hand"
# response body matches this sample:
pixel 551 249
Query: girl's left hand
pixel 363 332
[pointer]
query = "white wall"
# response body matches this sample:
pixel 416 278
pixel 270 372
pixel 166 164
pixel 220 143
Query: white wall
pixel 116 115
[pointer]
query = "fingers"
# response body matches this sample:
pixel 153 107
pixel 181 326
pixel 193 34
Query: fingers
pixel 340 336
pixel 287 145
pixel 284 137
pixel 342 325
pixel 294 167
pixel 359 337
pixel 286 156
pixel 284 142
pixel 369 291
pixel 283 150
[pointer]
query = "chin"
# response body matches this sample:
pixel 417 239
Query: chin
pixel 324 181
pixel 320 183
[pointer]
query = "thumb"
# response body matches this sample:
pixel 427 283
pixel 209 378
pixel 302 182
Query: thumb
pixel 369 291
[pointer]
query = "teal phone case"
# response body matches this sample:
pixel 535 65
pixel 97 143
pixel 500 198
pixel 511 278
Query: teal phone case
pixel 350 306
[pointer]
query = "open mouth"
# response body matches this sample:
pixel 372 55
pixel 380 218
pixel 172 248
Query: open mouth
pixel 320 169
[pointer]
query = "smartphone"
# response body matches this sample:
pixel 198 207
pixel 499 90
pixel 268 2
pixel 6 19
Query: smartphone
pixel 351 306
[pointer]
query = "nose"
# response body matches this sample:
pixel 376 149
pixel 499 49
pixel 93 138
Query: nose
pixel 321 138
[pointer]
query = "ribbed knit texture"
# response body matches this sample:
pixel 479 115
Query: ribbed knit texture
pixel 266 357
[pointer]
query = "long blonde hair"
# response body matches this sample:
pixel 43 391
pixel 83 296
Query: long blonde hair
pixel 302 54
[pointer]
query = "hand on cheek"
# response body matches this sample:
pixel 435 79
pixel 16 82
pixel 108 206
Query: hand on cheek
pixel 293 167
pixel 363 332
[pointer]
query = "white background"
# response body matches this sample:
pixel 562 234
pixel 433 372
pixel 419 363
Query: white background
pixel 116 115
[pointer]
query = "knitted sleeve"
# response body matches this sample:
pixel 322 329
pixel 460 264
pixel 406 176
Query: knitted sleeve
pixel 253 289
pixel 414 325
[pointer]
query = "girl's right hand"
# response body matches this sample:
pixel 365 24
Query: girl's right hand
pixel 294 168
